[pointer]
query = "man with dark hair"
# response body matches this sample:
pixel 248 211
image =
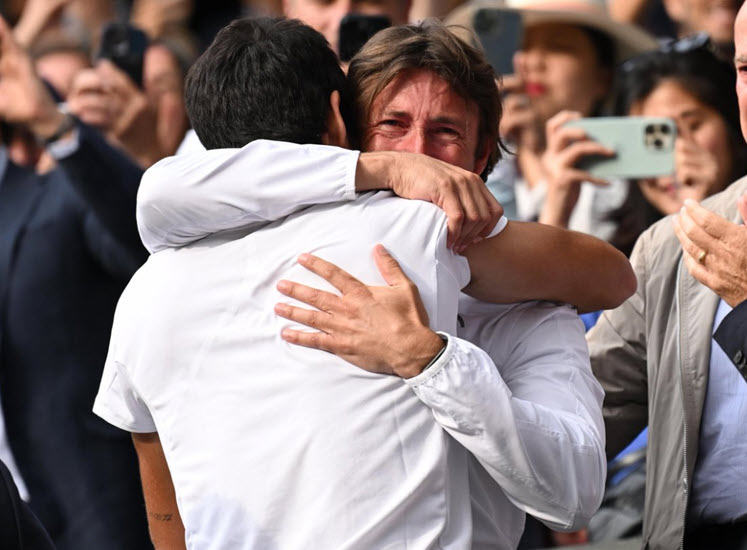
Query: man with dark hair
pixel 286 97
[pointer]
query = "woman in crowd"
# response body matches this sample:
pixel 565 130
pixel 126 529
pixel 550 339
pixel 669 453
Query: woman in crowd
pixel 682 80
pixel 567 62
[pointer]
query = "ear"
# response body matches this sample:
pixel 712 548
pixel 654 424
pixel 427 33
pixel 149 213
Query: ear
pixel 336 133
pixel 481 157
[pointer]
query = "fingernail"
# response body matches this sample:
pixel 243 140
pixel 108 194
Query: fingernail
pixel 689 202
pixel 281 309
pixel 283 285
pixel 305 257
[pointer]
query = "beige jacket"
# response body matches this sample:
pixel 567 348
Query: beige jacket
pixel 652 357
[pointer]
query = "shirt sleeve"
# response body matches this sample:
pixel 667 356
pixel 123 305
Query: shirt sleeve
pixel 534 421
pixel 119 403
pixel 188 197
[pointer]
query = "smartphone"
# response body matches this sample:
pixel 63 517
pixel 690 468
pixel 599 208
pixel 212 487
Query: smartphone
pixel 644 146
pixel 124 45
pixel 356 29
pixel 500 33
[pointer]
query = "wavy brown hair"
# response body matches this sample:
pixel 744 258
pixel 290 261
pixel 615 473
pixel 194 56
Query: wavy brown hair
pixel 430 46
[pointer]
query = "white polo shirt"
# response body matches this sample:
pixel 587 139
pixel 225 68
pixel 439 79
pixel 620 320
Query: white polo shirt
pixel 277 446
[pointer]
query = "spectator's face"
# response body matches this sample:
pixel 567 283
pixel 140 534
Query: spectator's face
pixel 325 15
pixel 716 17
pixel 418 112
pixel 60 68
pixel 560 69
pixel 697 123
pixel 740 43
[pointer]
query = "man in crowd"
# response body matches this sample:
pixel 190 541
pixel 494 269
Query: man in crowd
pixel 68 245
pixel 661 364
pixel 559 493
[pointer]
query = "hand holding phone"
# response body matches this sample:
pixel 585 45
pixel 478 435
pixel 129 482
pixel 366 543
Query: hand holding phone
pixel 643 146
pixel 124 45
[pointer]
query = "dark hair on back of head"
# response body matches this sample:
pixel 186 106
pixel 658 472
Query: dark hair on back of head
pixel 433 47
pixel 264 78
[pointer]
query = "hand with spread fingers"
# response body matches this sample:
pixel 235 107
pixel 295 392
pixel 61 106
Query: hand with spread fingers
pixel 381 329
pixel 24 99
pixel 715 249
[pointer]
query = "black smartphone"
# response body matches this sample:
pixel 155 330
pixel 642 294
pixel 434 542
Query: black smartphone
pixel 500 33
pixel 356 29
pixel 124 45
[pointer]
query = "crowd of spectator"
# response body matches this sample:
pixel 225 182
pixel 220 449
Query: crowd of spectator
pixel 79 129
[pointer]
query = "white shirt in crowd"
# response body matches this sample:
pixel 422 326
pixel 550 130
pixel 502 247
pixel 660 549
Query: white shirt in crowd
pixel 530 417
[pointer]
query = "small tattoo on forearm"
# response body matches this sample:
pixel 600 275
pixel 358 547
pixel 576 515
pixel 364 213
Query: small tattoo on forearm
pixel 161 517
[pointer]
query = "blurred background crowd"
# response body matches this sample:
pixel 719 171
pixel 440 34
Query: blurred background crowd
pixel 69 245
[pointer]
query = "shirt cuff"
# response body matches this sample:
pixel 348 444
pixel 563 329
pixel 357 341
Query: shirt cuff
pixel 437 365
pixel 65 147
pixel 351 165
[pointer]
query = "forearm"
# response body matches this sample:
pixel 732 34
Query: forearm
pixel 185 198
pixel 549 462
pixel 108 181
pixel 530 261
pixel 164 522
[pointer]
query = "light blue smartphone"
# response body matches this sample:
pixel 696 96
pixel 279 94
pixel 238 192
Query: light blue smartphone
pixel 644 146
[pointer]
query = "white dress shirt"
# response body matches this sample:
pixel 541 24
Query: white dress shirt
pixel 271 445
pixel 530 417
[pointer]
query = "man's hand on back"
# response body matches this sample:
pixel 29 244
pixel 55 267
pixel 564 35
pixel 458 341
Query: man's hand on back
pixel 380 329
pixel 471 209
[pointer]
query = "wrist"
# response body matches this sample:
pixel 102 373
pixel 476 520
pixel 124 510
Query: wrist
pixel 51 124
pixel 428 347
pixel 373 171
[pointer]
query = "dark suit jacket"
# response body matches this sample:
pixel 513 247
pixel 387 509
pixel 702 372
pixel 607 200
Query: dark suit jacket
pixel 19 527
pixel 731 335
pixel 68 246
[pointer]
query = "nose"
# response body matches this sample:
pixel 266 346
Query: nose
pixel 531 59
pixel 416 141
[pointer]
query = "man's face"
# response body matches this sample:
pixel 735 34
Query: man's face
pixel 740 61
pixel 325 15
pixel 418 112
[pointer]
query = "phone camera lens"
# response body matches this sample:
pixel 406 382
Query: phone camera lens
pixel 650 130
pixel 658 143
pixel 664 129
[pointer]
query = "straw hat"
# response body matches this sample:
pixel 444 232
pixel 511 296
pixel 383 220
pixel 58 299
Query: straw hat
pixel 629 40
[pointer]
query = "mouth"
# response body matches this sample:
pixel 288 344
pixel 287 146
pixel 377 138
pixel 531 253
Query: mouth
pixel 534 89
